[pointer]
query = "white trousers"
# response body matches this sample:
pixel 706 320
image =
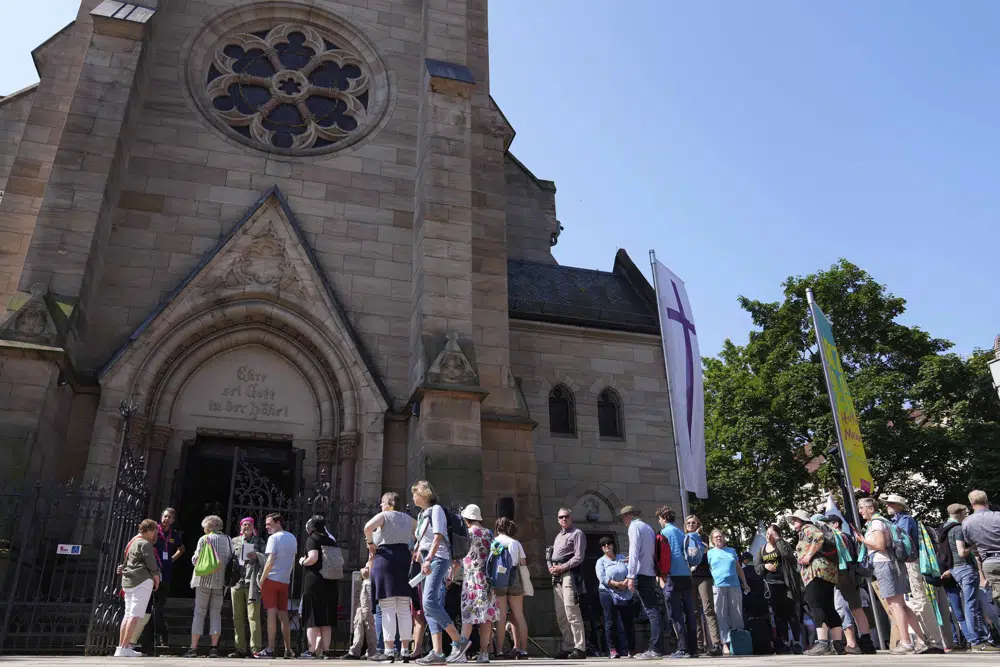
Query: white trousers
pixel 396 614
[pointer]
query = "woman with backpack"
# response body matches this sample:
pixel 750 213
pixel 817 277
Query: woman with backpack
pixel 319 594
pixel 776 565
pixel 479 603
pixel 512 595
pixel 817 559
pixel 433 555
pixel 890 575
pixel 388 536
pixel 210 586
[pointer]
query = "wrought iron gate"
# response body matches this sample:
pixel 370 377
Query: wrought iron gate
pixel 50 542
pixel 253 494
pixel 60 546
pixel 129 497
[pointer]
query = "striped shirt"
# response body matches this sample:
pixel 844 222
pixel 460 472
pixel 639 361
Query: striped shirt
pixel 219 542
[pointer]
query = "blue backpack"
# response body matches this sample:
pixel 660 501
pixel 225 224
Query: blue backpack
pixel 499 566
pixel 901 548
pixel 694 549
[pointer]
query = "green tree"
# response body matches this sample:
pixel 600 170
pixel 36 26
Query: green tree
pixel 765 401
pixel 960 417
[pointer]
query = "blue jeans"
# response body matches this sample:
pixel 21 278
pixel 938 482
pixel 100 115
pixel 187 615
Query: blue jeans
pixel 958 620
pixel 433 598
pixel 613 619
pixel 651 598
pixel 680 594
pixel 972 625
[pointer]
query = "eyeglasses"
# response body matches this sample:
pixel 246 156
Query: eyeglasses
pixel 564 516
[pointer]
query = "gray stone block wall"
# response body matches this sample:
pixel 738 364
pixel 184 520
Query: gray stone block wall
pixel 531 213
pixel 13 115
pixel 639 469
pixel 186 185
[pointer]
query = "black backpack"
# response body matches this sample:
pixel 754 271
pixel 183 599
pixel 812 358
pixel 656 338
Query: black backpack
pixel 942 549
pixel 458 535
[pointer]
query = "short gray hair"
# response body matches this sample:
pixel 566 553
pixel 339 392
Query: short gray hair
pixel 868 502
pixel 212 523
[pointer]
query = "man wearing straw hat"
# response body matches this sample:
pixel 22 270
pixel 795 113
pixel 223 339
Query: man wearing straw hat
pixel 917 600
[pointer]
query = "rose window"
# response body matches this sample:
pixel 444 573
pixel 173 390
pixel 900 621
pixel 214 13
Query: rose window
pixel 289 87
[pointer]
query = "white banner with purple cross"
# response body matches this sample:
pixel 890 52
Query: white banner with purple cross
pixel 687 393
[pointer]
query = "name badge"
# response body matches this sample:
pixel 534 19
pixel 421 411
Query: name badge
pixel 165 556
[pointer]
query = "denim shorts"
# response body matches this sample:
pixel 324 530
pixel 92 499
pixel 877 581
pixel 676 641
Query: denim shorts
pixel 892 579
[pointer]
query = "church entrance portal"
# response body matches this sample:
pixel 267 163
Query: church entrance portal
pixel 208 469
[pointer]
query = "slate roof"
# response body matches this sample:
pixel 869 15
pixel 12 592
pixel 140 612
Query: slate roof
pixel 620 300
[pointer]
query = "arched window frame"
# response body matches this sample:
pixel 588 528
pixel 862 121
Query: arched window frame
pixel 567 396
pixel 609 397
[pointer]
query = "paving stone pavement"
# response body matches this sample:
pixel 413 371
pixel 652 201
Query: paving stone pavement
pixel 965 659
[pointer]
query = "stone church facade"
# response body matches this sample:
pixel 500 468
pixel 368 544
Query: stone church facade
pixel 296 227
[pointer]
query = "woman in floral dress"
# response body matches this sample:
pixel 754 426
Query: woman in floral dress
pixel 479 604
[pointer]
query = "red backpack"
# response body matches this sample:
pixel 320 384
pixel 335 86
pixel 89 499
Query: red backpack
pixel 662 556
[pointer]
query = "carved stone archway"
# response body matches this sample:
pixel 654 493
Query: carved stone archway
pixel 261 285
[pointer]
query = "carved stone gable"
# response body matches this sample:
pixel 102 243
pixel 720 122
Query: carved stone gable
pixel 38 320
pixel 261 254
pixel 263 264
pixel 452 366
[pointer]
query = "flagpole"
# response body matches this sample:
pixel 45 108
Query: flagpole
pixel 673 421
pixel 855 517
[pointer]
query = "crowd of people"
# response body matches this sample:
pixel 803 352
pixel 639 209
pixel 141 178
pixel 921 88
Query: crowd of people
pixel 804 590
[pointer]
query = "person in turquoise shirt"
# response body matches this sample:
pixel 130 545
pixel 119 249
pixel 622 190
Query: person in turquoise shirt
pixel 729 585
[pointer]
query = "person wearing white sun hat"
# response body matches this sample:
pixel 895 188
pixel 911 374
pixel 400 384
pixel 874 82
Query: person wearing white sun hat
pixel 479 603
pixel 917 600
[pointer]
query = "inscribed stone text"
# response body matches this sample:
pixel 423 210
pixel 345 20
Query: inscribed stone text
pixel 251 397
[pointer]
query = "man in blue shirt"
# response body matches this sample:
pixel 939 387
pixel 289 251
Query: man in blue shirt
pixel 642 578
pixel 917 599
pixel 679 588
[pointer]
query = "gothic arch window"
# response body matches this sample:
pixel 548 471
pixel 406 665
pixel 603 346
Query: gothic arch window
pixel 562 411
pixel 609 415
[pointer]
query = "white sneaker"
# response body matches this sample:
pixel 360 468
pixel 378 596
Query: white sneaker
pixel 120 652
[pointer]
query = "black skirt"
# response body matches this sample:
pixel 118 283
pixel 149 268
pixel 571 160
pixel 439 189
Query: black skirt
pixel 319 602
pixel 391 572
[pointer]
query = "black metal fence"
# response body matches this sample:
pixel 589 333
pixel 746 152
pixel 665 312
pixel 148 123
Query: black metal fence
pixel 51 538
pixel 60 546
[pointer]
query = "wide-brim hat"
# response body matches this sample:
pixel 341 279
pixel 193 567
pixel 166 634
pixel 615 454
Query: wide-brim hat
pixel 895 499
pixel 801 515
pixel 628 509
pixel 472 513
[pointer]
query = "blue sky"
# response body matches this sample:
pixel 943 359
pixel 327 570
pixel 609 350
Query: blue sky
pixel 747 142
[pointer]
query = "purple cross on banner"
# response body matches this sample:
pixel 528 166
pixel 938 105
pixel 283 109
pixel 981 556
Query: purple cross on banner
pixel 688 326
pixel 684 378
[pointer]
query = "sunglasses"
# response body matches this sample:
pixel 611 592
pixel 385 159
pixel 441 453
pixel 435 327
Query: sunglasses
pixel 564 516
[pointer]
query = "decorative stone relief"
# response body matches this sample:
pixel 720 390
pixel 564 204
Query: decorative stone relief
pixel 293 86
pixel 348 446
pixel 325 451
pixel 263 264
pixel 451 366
pixel 136 436
pixel 38 320
pixel 159 436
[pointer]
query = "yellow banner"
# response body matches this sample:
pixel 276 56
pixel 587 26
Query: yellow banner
pixel 846 418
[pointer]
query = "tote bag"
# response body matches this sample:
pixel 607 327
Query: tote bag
pixel 208 561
